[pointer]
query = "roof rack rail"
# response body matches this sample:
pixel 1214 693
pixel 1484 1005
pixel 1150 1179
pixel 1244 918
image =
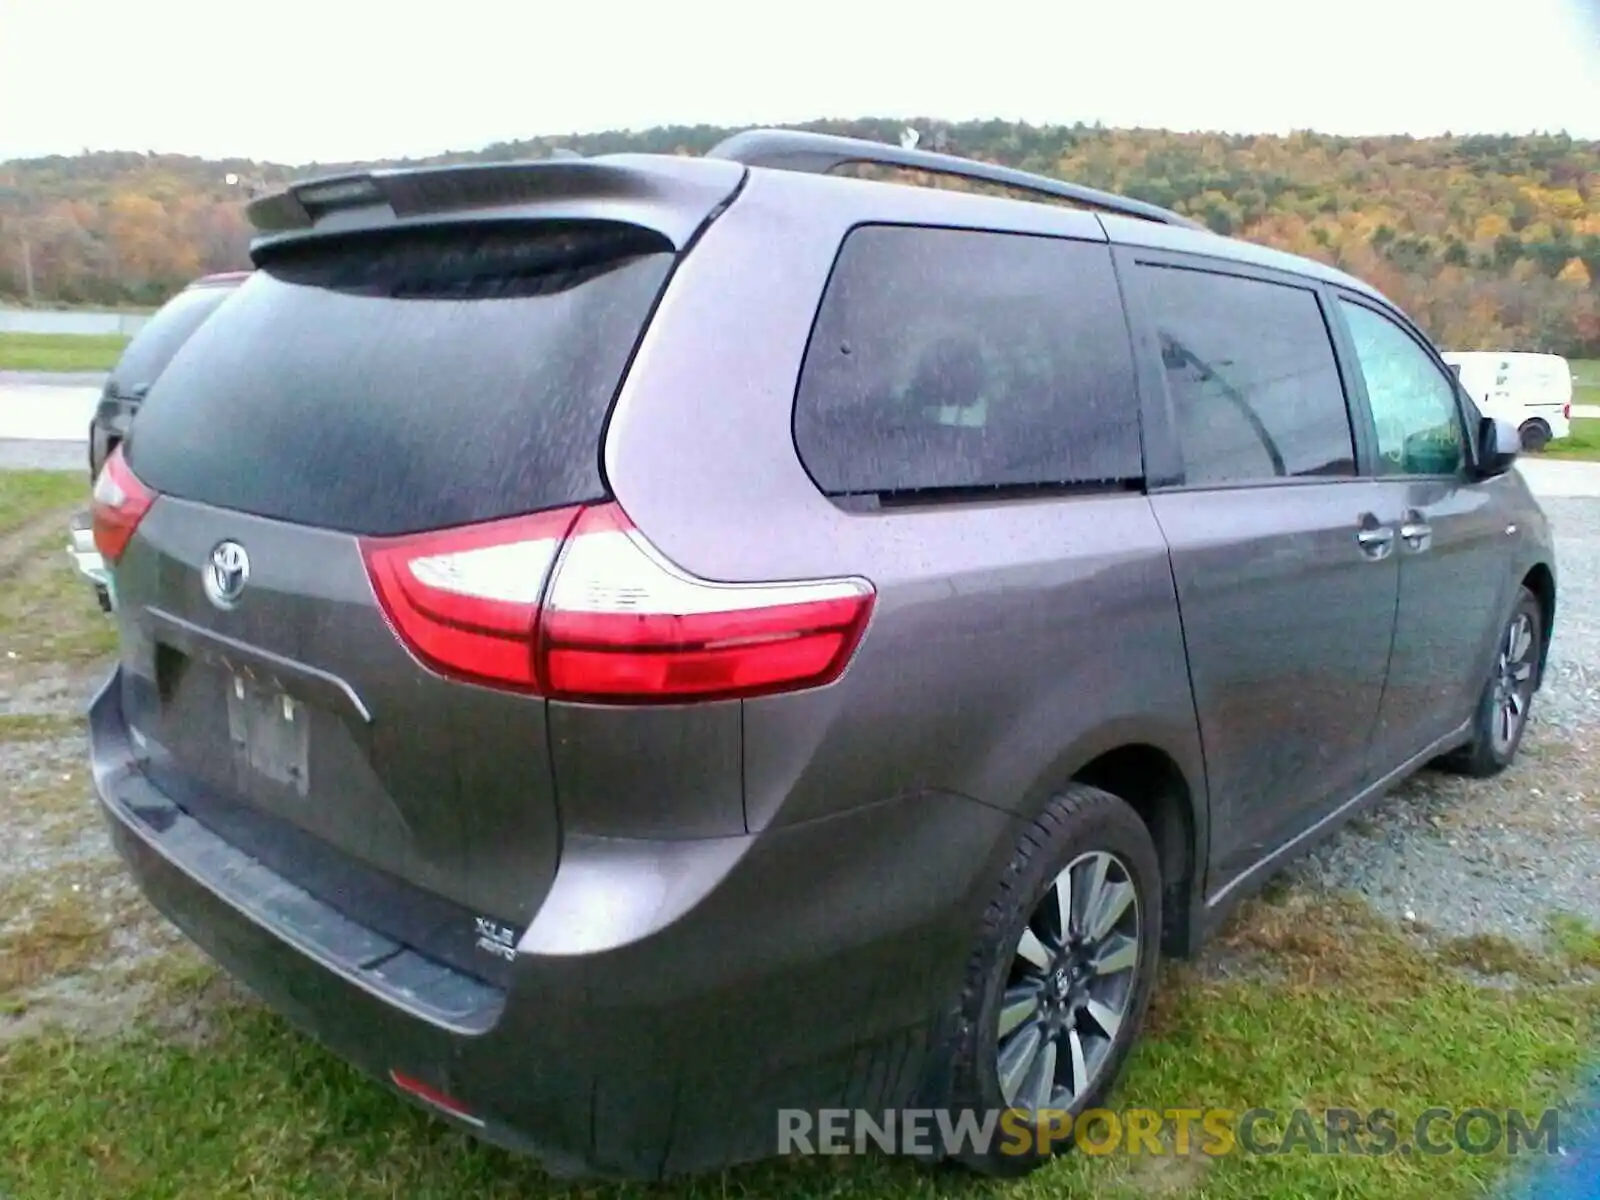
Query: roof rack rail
pixel 820 153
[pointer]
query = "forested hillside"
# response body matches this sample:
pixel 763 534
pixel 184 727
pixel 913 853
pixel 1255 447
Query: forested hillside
pixel 1488 241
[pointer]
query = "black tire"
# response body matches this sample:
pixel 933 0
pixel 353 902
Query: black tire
pixel 1088 827
pixel 1535 436
pixel 1490 751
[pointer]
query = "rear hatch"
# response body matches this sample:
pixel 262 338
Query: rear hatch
pixel 362 399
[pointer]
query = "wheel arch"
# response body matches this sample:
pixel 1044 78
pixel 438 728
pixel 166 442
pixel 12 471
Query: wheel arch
pixel 1541 581
pixel 1159 774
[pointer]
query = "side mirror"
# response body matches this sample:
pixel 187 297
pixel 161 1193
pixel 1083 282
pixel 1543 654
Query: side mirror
pixel 1499 443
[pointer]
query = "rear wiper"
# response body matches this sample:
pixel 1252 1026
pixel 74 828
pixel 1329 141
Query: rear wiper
pixel 968 493
pixel 115 391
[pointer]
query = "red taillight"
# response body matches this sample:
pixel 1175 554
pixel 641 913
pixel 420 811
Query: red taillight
pixel 434 1097
pixel 1566 412
pixel 617 623
pixel 466 601
pixel 119 502
pixel 621 623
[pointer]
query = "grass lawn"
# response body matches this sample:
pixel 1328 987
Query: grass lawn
pixel 59 351
pixel 1582 441
pixel 1586 376
pixel 48 616
pixel 1339 1011
pixel 28 494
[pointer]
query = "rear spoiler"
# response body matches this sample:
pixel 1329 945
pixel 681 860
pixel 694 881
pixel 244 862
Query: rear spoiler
pixel 674 196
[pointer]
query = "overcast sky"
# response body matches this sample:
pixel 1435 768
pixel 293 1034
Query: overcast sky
pixel 298 81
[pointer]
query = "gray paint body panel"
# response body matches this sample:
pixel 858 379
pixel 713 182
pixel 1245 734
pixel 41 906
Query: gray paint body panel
pixel 718 910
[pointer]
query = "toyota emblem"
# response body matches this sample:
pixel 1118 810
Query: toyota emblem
pixel 225 574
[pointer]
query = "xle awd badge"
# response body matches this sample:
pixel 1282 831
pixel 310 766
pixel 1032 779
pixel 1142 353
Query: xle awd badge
pixel 496 939
pixel 225 574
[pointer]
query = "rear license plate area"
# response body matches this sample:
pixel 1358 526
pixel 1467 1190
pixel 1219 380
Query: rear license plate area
pixel 271 733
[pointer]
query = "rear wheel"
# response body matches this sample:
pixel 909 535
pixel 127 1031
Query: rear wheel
pixel 1058 985
pixel 1535 436
pixel 1502 715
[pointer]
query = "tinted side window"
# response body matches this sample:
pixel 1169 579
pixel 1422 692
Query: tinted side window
pixel 948 358
pixel 1414 404
pixel 1250 370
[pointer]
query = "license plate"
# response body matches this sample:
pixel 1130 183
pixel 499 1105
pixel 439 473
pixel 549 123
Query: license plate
pixel 270 732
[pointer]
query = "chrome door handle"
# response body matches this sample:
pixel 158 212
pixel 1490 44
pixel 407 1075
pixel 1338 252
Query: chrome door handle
pixel 1375 543
pixel 1416 533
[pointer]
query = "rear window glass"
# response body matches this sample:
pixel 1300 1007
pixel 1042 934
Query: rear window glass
pixel 395 383
pixel 954 359
pixel 163 336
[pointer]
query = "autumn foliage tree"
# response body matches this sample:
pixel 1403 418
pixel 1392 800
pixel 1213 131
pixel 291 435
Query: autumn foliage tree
pixel 1488 241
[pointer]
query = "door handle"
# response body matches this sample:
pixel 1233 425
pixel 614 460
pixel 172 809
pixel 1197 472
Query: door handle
pixel 1375 541
pixel 1415 532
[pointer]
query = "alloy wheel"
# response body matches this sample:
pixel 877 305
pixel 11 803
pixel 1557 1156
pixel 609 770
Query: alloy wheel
pixel 1070 985
pixel 1513 683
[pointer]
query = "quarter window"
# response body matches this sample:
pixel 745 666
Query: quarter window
pixel 956 359
pixel 1413 402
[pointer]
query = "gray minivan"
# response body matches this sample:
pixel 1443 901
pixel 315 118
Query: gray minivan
pixel 620 647
pixel 146 356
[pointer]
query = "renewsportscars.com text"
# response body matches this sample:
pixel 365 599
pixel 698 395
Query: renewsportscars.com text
pixel 1216 1132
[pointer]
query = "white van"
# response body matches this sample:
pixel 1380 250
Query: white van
pixel 1532 390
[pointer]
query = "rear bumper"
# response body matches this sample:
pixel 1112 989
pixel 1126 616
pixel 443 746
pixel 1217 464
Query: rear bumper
pixel 799 968
pixel 86 560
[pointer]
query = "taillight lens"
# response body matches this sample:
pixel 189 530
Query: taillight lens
pixel 117 505
pixel 1566 412
pixel 466 601
pixel 621 623
pixel 617 622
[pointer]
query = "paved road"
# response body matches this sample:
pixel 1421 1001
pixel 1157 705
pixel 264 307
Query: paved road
pixel 40 407
pixel 1551 478
pixel 71 379
pixel 21 455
